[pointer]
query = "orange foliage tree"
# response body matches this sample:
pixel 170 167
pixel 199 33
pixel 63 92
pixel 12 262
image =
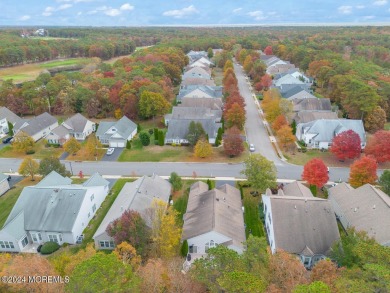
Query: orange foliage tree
pixel 378 146
pixel 315 173
pixel 363 171
pixel 327 272
pixel 279 122
pixel 235 116
pixel 285 135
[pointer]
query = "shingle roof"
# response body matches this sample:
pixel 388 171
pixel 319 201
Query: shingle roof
pixel 96 180
pixel 197 81
pixel 196 72
pixel 76 123
pixel 195 113
pixel 9 115
pixel 200 92
pixel 15 227
pixel 218 210
pixel 307 116
pixel 124 127
pixel 287 79
pixel 137 196
pixel 3 177
pixel 366 208
pixel 39 123
pixel 287 87
pixel 178 128
pixel 197 64
pixel 312 104
pixel 53 179
pixel 60 131
pixel 303 222
pixel 296 188
pixel 214 104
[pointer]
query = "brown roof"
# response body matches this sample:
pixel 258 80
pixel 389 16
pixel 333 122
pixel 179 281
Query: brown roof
pixel 302 223
pixel 308 116
pixel 312 104
pixel 213 104
pixel 218 210
pixel 198 81
pixel 296 188
pixel 366 208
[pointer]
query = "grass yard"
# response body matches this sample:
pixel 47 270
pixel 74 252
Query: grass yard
pixel 387 126
pixel 41 151
pixel 84 155
pixel 180 198
pixel 67 62
pixel 8 200
pixel 218 75
pixel 251 214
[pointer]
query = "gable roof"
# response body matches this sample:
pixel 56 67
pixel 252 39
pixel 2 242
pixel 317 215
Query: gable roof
pixel 296 188
pixel 77 123
pixel 197 81
pixel 195 113
pixel 137 196
pixel 96 180
pixel 218 210
pixel 53 179
pixel 284 88
pixel 200 92
pixel 61 131
pixel 9 115
pixel 366 208
pixel 279 68
pixel 124 127
pixel 3 177
pixel 307 116
pixel 38 123
pixel 15 227
pixel 303 223
pixel 178 128
pixel 312 104
pixel 213 104
pixel 287 79
pixel 196 72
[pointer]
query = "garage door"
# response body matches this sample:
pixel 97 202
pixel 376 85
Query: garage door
pixel 121 144
pixel 117 144
pixel 113 144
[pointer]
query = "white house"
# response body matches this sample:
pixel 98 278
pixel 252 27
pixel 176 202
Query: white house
pixel 37 127
pixel 196 72
pixel 213 217
pixel 4 185
pixel 79 127
pixel 299 223
pixel 366 208
pixel 58 135
pixel 201 62
pixel 53 210
pixel 319 134
pixel 138 196
pixel 6 116
pixel 116 134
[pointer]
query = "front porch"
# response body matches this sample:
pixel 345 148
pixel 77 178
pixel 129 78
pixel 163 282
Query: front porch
pixel 31 248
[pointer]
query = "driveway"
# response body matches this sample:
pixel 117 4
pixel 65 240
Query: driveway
pixel 114 156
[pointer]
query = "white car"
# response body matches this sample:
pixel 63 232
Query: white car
pixel 252 147
pixel 110 151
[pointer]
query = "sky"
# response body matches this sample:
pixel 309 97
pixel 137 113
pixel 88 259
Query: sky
pixel 191 12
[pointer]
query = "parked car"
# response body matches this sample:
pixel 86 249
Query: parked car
pixel 252 147
pixel 110 151
pixel 7 140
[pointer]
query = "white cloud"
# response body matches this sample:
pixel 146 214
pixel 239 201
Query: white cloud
pixel 127 7
pixel 64 6
pixel 345 9
pixel 368 17
pixel 79 13
pixel 24 17
pixel 380 2
pixel 360 7
pixel 257 15
pixel 237 10
pixel 180 13
pixel 112 12
pixel 48 11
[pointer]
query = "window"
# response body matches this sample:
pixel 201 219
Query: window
pixel 92 196
pixel 193 249
pixel 53 238
pixel 7 244
pixel 24 241
pixel 209 245
pixel 34 237
pixel 112 244
pixel 101 243
pixel 94 208
pixel 12 245
pixel 40 236
pixel 60 236
pixel 269 218
pixel 2 244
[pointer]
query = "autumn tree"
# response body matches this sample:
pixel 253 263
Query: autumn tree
pixel 378 146
pixel 375 120
pixel 126 253
pixel 346 145
pixel 203 149
pixel 233 144
pixel 235 116
pixel 47 165
pixel 29 167
pixel 152 104
pixel 92 145
pixel 285 135
pixel 327 272
pixel 195 131
pixel 268 50
pixel 315 173
pixel 131 228
pixel 23 142
pixel 228 64
pixel 266 81
pixel 384 181
pixel 260 172
pixel 363 171
pixel 72 146
pixel 176 181
pixel 279 122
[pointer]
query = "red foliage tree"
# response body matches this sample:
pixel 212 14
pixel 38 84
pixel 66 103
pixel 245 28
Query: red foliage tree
pixel 279 122
pixel 346 145
pixel 108 74
pixel 378 146
pixel 235 116
pixel 268 50
pixel 266 81
pixel 234 97
pixel 315 173
pixel 363 171
pixel 232 142
pixel 258 86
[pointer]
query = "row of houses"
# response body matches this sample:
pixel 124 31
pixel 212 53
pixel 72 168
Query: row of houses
pixel 199 100
pixel 317 122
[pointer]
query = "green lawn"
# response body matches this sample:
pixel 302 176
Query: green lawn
pixel 251 214
pixel 67 62
pixel 41 151
pixel 155 154
pixel 15 76
pixel 102 211
pixel 302 158
pixel 387 126
pixel 218 75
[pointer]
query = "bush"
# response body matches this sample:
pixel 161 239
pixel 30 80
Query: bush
pixel 139 128
pixel 145 138
pixel 150 131
pixel 49 247
pixel 241 191
pixel 313 190
pixel 128 144
pixel 155 134
pixel 176 181
pixel 30 152
pixel 184 248
pixel 161 138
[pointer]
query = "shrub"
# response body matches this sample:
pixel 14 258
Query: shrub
pixel 176 181
pixel 160 138
pixel 184 248
pixel 150 131
pixel 49 247
pixel 128 144
pixel 30 152
pixel 313 189
pixel 155 134
pixel 139 128
pixel 145 138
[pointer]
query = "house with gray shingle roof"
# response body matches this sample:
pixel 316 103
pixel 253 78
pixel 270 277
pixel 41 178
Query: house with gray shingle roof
pixel 319 134
pixel 6 116
pixel 213 104
pixel 213 217
pixel 116 133
pixel 201 62
pixel 79 126
pixel 312 104
pixel 138 196
pixel 196 55
pixel 4 185
pixel 37 127
pixel 365 208
pixel 210 92
pixel 58 135
pixel 299 223
pixel 196 72
pixel 196 81
pixel 308 116
pixel 53 210
pixel 193 113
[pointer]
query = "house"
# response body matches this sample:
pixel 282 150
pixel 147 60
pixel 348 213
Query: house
pixel 79 127
pixel 319 134
pixel 288 90
pixel 196 55
pixel 210 92
pixel 196 72
pixel 299 223
pixel 308 116
pixel 138 196
pixel 287 79
pixel 204 67
pixel 297 93
pixel 178 130
pixel 196 81
pixel 116 134
pixel 4 185
pixel 7 116
pixel 213 217
pixel 279 68
pixel 311 104
pixel 365 208
pixel 53 210
pixel 193 113
pixel 295 73
pixel 201 62
pixel 58 135
pixel 213 104
pixel 37 127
